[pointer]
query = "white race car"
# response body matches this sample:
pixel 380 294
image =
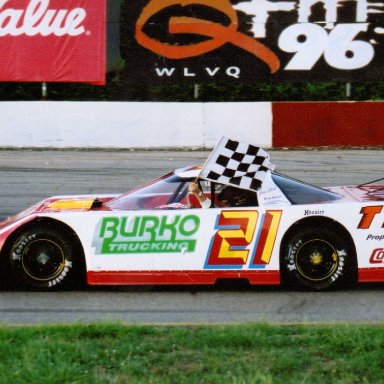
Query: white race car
pixel 295 233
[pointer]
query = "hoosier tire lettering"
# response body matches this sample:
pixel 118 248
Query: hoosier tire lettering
pixel 317 259
pixel 41 259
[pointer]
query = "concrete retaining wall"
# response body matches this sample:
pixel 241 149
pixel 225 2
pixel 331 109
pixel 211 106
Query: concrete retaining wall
pixel 173 125
pixel 131 125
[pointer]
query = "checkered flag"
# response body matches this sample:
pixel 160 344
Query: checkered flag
pixel 239 164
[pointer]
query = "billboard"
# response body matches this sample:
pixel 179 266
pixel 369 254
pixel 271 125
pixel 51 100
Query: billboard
pixel 53 40
pixel 255 40
pixel 113 36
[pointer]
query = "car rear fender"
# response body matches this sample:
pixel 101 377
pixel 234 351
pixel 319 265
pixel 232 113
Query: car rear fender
pixel 318 222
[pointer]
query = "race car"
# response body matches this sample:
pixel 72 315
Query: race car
pixel 295 234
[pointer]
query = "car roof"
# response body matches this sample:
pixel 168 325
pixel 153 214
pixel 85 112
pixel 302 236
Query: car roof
pixel 188 172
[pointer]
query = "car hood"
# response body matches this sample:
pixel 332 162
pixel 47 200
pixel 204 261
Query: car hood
pixel 79 203
pixel 56 204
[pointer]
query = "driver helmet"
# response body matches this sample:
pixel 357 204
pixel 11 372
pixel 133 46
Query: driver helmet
pixel 237 197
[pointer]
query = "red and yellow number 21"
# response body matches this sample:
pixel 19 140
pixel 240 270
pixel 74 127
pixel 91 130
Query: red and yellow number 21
pixel 230 246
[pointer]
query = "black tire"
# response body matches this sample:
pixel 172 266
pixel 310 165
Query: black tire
pixel 44 259
pixel 318 259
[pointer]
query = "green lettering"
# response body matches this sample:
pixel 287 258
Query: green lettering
pixel 149 224
pixel 164 226
pixel 189 225
pixel 144 247
pixel 108 229
pixel 123 227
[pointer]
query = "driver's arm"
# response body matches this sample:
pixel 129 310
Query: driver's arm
pixel 203 200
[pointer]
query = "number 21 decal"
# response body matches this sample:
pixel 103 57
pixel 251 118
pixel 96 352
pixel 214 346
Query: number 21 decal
pixel 230 246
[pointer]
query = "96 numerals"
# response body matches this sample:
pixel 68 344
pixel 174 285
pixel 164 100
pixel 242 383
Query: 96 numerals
pixel 339 48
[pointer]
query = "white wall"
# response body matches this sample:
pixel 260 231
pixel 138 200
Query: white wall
pixel 132 125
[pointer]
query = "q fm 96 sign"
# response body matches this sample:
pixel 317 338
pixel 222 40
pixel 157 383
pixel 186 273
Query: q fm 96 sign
pixel 298 40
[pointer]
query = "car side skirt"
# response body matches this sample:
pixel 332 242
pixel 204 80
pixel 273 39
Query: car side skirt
pixel 371 275
pixel 179 277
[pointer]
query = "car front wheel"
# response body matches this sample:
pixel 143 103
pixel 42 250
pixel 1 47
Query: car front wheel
pixel 43 259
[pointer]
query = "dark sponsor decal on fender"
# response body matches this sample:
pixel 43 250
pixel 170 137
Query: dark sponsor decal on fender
pixel 310 212
pixel 375 237
pixel 377 256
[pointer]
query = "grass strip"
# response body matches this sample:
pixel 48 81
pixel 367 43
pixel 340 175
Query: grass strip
pixel 251 353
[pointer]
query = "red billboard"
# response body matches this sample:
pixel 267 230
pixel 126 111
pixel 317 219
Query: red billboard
pixel 53 40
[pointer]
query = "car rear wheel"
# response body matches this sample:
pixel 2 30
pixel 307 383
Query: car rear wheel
pixel 318 259
pixel 43 259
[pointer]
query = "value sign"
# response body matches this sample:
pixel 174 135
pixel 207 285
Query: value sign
pixel 300 40
pixel 53 40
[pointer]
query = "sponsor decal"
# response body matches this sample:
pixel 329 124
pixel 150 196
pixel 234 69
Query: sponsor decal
pixel 309 212
pixel 368 214
pixel 234 245
pixel 253 39
pixel 146 234
pixel 62 205
pixel 377 256
pixel 375 237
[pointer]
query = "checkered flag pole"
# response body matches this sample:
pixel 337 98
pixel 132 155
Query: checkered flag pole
pixel 235 163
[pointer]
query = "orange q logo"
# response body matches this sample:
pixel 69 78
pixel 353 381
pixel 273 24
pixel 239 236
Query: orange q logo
pixel 217 34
